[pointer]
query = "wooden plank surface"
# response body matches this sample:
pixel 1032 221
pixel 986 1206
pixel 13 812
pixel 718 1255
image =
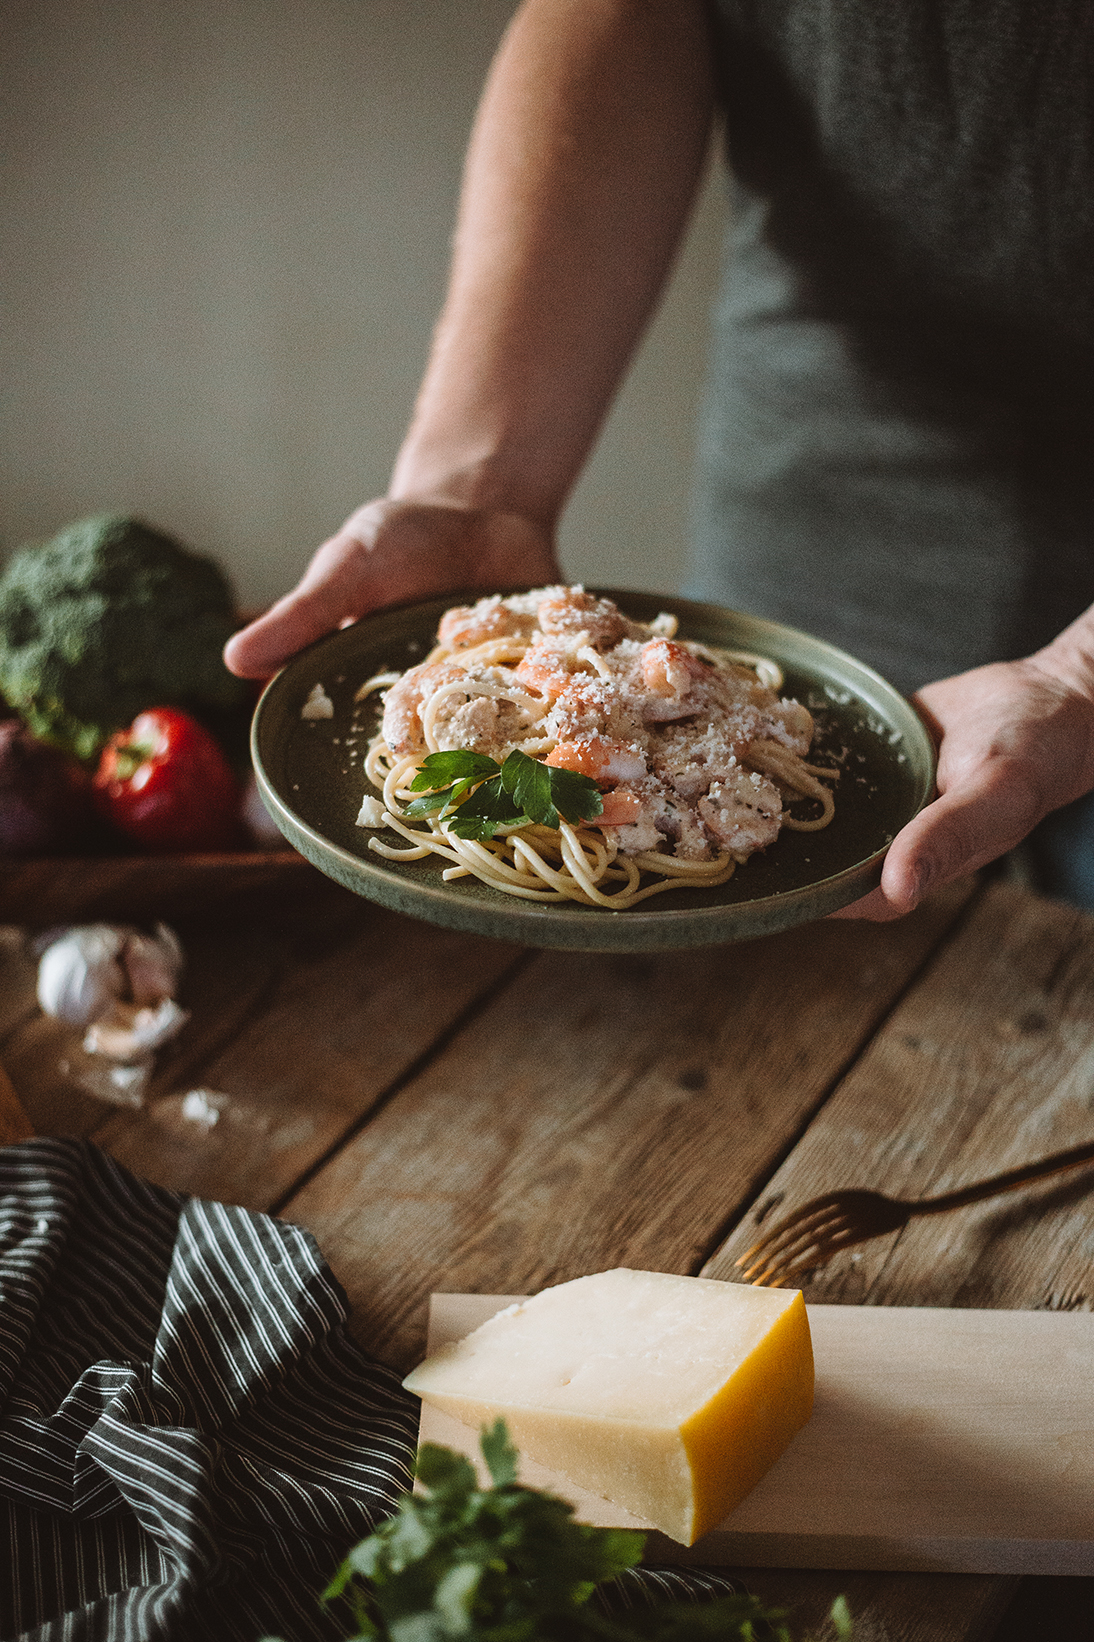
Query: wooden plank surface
pixel 14 1122
pixel 229 972
pixel 233 946
pixel 988 1062
pixel 130 889
pixel 342 1021
pixel 17 977
pixel 521 1155
pixel 569 1096
pixel 601 1111
pixel 297 1027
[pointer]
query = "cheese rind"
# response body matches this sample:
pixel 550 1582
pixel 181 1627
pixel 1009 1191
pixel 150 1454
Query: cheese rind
pixel 670 1396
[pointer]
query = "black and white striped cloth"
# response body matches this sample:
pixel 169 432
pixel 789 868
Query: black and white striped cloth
pixel 190 1441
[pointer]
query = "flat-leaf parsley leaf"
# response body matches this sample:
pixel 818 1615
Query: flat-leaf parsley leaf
pixel 473 795
pixel 448 778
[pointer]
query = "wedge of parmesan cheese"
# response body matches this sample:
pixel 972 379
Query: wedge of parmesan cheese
pixel 670 1396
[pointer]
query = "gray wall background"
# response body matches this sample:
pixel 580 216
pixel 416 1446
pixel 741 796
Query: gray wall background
pixel 225 230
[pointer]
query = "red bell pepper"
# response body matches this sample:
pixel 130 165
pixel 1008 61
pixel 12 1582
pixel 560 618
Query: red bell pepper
pixel 165 783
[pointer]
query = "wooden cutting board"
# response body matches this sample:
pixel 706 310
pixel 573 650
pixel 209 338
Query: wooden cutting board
pixel 941 1441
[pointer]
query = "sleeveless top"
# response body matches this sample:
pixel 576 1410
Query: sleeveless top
pixel 897 451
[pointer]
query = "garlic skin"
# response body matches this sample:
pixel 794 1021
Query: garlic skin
pixel 85 970
pixel 130 1034
pixel 203 1107
pixel 80 975
pixel 153 964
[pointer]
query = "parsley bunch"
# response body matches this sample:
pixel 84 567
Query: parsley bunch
pixel 457 1563
pixel 474 795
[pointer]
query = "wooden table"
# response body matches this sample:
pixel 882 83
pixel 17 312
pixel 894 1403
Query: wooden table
pixel 447 1112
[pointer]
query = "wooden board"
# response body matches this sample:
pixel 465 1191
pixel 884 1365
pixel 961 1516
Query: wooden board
pixel 941 1441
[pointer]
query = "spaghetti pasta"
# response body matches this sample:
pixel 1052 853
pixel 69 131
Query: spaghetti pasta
pixel 695 756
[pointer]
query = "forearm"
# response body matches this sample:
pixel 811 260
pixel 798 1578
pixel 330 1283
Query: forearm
pixel 584 161
pixel 581 170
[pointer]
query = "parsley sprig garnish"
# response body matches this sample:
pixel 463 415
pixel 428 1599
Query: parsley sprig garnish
pixel 460 1563
pixel 510 1564
pixel 473 795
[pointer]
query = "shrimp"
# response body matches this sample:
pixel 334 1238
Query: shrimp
pixel 479 709
pixel 621 807
pixel 668 669
pixel 484 723
pixel 402 723
pixel 691 750
pixel 592 706
pixel 630 818
pixel 492 618
pixel 568 611
pixel 600 758
pixel 680 684
pixel 787 721
pixel 546 667
pixel 640 820
pixel 669 675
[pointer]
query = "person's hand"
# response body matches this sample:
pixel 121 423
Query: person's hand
pixel 1015 741
pixel 391 552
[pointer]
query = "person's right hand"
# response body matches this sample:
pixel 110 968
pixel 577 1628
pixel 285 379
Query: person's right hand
pixel 391 552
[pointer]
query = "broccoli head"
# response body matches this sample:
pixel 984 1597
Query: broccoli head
pixel 106 619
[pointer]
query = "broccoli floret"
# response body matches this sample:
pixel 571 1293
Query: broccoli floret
pixel 106 619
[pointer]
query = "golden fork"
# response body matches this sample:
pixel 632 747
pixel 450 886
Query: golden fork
pixel 825 1225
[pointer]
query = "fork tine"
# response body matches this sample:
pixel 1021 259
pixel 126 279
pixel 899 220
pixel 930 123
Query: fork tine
pixel 802 1257
pixel 841 1235
pixel 808 1214
pixel 775 1260
pixel 783 1240
pixel 796 1249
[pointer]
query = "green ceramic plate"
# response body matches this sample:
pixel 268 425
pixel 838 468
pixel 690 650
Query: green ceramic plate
pixel 309 772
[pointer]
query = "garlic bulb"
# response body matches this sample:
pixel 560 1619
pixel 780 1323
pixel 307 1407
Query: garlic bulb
pixel 79 975
pixel 85 970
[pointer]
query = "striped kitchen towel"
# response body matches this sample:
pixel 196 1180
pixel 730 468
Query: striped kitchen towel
pixel 190 1441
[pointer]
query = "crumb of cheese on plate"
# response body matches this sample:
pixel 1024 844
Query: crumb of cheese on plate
pixel 670 1396
pixel 371 813
pixel 318 704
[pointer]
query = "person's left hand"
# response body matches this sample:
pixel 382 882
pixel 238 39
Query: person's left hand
pixel 1015 741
